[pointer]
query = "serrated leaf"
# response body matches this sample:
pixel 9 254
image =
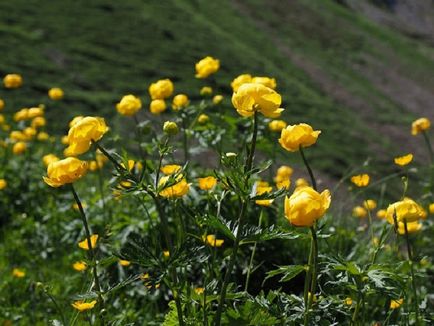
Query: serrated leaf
pixel 289 272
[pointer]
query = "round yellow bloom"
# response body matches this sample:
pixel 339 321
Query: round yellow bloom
pixel 38 122
pixel 212 241
pixel 301 182
pixel 17 135
pixel 370 204
pixel 180 101
pixel 203 119
pixel 285 171
pixel 348 301
pixel 207 66
pixel 406 209
pixel 277 125
pixel 83 306
pixel 256 97
pixel 2 104
pixel 431 208
pixel 42 136
pixel 35 112
pixel 205 91
pixel 263 188
pixel 49 158
pixel 21 115
pixel 29 132
pixel 266 81
pixel 381 214
pixel 396 303
pixel 18 273
pixel 55 93
pixel 3 184
pixel 240 80
pixel 12 81
pixel 170 169
pixel 82 133
pixel 75 120
pixel 79 266
pixel 361 180
pixel 157 106
pixel 199 291
pixel 360 212
pixel 217 99
pixel 170 128
pixel 306 205
pixel 19 148
pixel 403 160
pixel 166 253
pixel 420 125
pixel 179 189
pixel 65 171
pixel 129 105
pixel 124 262
pixel 64 140
pixel 161 89
pixel 412 227
pixel 207 183
pixel 93 240
pixel 131 164
pixel 2 119
pixel 296 136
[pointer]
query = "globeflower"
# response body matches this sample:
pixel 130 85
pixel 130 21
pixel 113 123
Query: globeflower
pixel 19 148
pixel 205 91
pixel 266 81
pixel 420 125
pixel 240 80
pixel 361 180
pixel 82 133
pixel 212 241
pixel 157 106
pixel 55 93
pixel 207 183
pixel 296 136
pixel 93 240
pixel 65 171
pixel 283 177
pixel 360 212
pixel 202 119
pixel 18 273
pixel 3 184
pixel 263 188
pixel 396 303
pixel 306 205
pixel 161 89
pixel 2 104
pixel 124 262
pixel 79 266
pixel 370 204
pixel 250 98
pixel 217 99
pixel 129 105
pixel 206 67
pixel 180 101
pixel 170 128
pixel 49 158
pixel 403 160
pixel 405 210
pixel 276 125
pixel 12 81
pixel 177 190
pixel 83 306
pixel 412 227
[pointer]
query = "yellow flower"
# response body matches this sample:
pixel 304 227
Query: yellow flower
pixel 306 205
pixel 431 208
pixel 396 303
pixel 420 125
pixel 3 184
pixel 83 306
pixel 2 119
pixel 64 140
pixel 93 240
pixel 35 112
pixel 285 171
pixel 18 273
pixel 276 125
pixel 166 253
pixel 381 214
pixel 199 291
pixel 131 164
pixel 12 81
pixel 49 158
pixel 370 204
pixel 179 189
pixel 2 104
pixel 283 177
pixel 82 133
pixel 170 169
pixel 75 120
pixel 301 182
pixel 412 227
pixel 263 188
pixel 361 180
pixel 205 91
pixel 42 136
pixel 17 135
pixel 403 160
pixel 129 105
pixel 360 212
pixel 170 128
pixel 207 66
pixel 124 262
pixel 161 89
pixel 55 93
pixel 21 115
pixel 79 266
pixel 180 101
pixel 217 99
pixel 29 132
pixel 202 119
pixel 38 122
pixel 75 206
pixel 296 136
pixel 266 81
pixel 348 301
pixel 157 106
pixel 406 209
pixel 65 171
pixel 207 183
pixel 19 148
pixel 256 97
pixel 240 80
pixel 211 240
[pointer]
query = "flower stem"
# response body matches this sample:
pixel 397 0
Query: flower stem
pixel 249 269
pixel 428 145
pixel 91 253
pixel 313 268
pixel 413 281
pixel 247 168
pixel 309 170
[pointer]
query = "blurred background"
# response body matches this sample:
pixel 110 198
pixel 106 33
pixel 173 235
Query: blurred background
pixel 360 70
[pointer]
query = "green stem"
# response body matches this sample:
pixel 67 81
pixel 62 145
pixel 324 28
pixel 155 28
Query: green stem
pixel 249 269
pixel 247 168
pixel 428 145
pixel 185 139
pixel 413 281
pixel 313 269
pixel 91 253
pixel 309 170
pixel 59 310
pixel 371 229
pixel 110 157
pixel 307 283
pixel 139 137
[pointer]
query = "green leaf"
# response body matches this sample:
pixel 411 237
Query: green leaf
pixel 289 272
pixel 253 234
